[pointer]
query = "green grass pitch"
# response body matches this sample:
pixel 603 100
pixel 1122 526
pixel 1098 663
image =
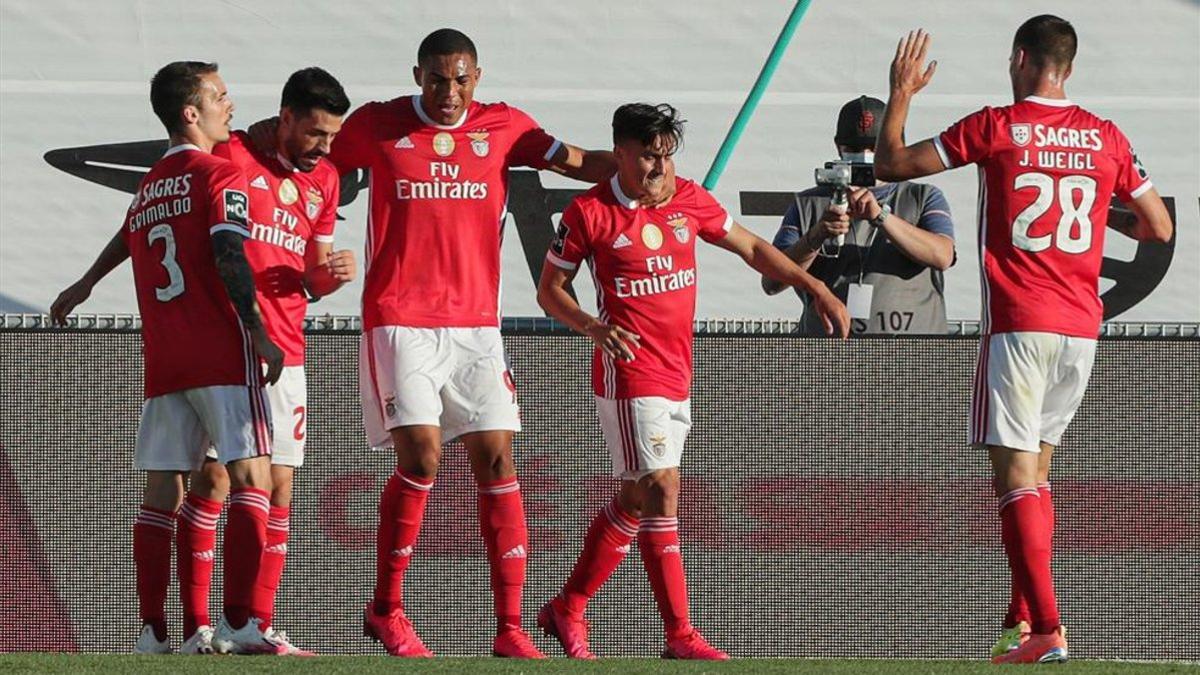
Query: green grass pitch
pixel 246 665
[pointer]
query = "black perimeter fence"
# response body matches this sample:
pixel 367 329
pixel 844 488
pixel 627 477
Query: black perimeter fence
pixel 831 506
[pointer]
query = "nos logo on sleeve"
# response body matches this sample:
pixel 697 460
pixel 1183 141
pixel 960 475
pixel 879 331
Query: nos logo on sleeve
pixel 560 238
pixel 237 207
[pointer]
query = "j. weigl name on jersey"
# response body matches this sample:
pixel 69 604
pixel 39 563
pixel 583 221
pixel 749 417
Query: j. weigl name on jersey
pixel 161 189
pixel 1043 136
pixel 663 278
pixel 277 235
pixel 443 183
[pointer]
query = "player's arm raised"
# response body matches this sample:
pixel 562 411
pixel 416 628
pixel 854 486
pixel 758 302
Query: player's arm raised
pixel 893 160
pixel 554 297
pixel 113 254
pixel 327 270
pixel 771 262
pixel 235 274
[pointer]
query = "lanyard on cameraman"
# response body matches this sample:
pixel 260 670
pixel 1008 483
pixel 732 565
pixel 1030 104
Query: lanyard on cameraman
pixel 865 251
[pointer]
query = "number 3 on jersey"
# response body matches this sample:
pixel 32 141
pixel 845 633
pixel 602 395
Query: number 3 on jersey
pixel 1073 215
pixel 174 287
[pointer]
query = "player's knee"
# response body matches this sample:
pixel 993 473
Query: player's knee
pixel 660 490
pixel 250 473
pixel 281 485
pixel 164 490
pixel 421 460
pixel 210 482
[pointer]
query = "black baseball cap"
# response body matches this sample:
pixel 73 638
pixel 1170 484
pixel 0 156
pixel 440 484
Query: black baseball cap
pixel 859 122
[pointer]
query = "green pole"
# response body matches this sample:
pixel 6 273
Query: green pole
pixel 760 86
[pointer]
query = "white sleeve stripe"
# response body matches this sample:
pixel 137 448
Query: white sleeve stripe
pixel 229 227
pixel 728 223
pixel 323 238
pixel 941 151
pixel 559 262
pixel 1141 190
pixel 937 212
pixel 553 149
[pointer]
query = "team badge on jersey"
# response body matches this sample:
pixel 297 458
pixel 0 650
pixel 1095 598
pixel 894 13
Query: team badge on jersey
pixel 479 144
pixel 658 443
pixel 313 202
pixel 288 192
pixel 679 227
pixel 443 144
pixel 1021 133
pixel 652 237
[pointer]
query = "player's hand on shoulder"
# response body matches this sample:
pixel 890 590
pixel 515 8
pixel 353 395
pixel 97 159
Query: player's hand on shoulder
pixel 909 74
pixel 269 352
pixel 262 135
pixel 615 341
pixel 341 265
pixel 833 313
pixel 69 299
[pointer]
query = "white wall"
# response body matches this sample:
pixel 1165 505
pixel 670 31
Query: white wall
pixel 76 74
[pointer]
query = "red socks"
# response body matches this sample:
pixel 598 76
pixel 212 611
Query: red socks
pixel 1026 538
pixel 1018 606
pixel 245 539
pixel 607 542
pixel 502 524
pixel 196 538
pixel 658 542
pixel 152 560
pixel 271 570
pixel 401 510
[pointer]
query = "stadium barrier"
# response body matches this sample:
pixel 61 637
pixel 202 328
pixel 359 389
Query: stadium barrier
pixel 831 506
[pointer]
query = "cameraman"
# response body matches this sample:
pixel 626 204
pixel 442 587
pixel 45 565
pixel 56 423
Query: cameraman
pixel 898 238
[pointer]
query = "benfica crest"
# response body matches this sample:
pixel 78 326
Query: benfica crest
pixel 1021 133
pixel 479 143
pixel 313 203
pixel 680 228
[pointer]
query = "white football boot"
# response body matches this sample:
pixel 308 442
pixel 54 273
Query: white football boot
pixel 249 639
pixel 201 642
pixel 148 644
pixel 286 648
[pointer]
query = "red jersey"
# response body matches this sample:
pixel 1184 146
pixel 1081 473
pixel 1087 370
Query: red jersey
pixel 191 335
pixel 289 210
pixel 1047 170
pixel 438 196
pixel 643 263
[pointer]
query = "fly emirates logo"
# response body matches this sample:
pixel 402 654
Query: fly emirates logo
pixel 1043 136
pixel 443 183
pixel 278 236
pixel 663 278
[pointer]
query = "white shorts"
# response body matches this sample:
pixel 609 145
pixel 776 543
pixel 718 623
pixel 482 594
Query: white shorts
pixel 177 429
pixel 454 378
pixel 1028 387
pixel 288 399
pixel 644 434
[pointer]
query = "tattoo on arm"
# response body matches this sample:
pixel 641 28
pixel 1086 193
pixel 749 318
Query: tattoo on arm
pixel 236 275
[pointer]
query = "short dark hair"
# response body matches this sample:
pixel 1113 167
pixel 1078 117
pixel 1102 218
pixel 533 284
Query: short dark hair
pixel 174 86
pixel 644 122
pixel 314 88
pixel 1048 40
pixel 445 41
